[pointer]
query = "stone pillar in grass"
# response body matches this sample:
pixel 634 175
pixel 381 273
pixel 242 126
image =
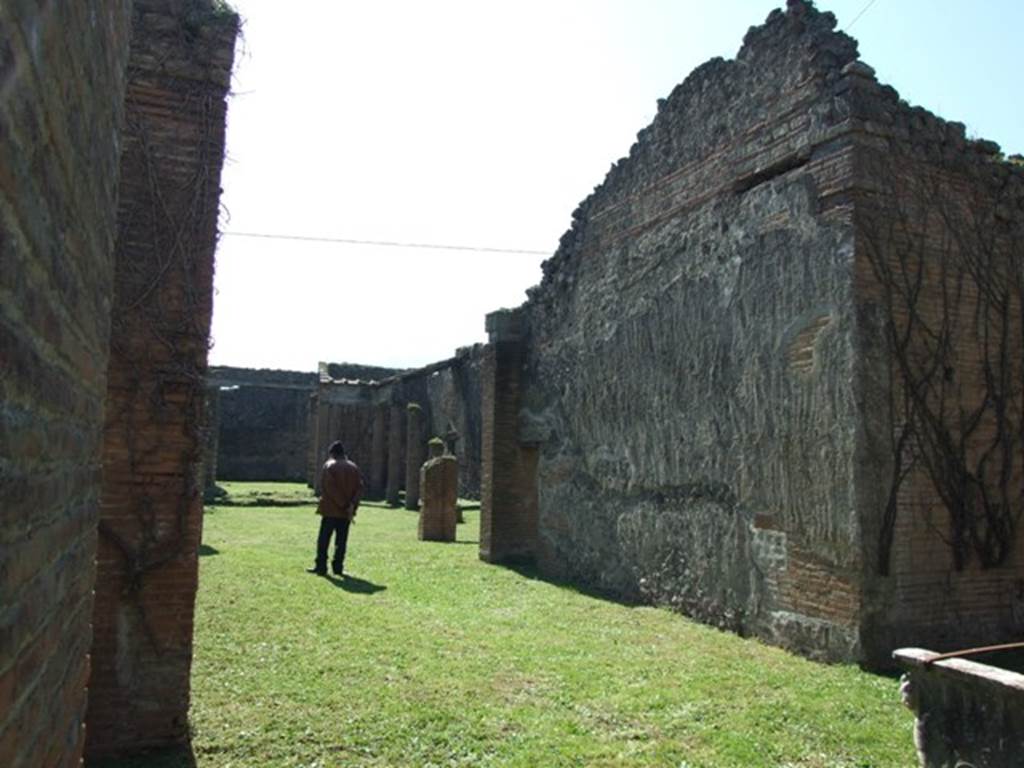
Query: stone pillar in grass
pixel 439 485
pixel 379 453
pixel 413 454
pixel 211 442
pixel 395 459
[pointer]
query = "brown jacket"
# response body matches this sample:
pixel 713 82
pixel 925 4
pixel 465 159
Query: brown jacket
pixel 341 486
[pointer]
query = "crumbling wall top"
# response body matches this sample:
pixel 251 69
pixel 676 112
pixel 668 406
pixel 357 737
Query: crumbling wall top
pixel 719 104
pixel 185 39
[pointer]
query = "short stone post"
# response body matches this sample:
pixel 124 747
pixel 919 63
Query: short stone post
pixel 413 454
pixel 439 484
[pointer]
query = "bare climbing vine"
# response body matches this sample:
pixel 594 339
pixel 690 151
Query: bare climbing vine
pixel 173 150
pixel 949 276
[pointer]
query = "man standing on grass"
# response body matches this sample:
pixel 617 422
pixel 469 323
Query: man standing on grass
pixel 341 485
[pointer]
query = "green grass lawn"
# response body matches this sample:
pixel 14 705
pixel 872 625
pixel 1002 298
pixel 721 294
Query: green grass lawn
pixel 239 494
pixel 429 657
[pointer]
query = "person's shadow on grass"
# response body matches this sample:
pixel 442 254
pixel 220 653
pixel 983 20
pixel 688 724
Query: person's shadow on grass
pixel 355 585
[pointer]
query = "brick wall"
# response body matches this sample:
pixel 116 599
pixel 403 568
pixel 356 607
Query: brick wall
pixel 939 273
pixel 508 521
pixel 61 90
pixel 151 516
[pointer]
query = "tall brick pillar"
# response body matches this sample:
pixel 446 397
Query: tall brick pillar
pixel 507 521
pixel 179 73
pixel 379 452
pixel 414 454
pixel 396 458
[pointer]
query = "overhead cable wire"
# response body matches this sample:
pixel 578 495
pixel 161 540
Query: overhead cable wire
pixel 862 12
pixel 384 243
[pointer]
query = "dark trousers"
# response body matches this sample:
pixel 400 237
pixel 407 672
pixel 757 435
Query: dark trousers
pixel 328 526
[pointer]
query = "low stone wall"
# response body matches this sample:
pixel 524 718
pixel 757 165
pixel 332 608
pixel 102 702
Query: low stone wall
pixel 968 714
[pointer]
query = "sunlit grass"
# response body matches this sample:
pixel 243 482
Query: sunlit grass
pixel 429 657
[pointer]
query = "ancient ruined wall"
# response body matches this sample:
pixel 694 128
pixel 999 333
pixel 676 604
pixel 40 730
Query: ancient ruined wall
pixel 61 91
pixel 344 408
pixel 264 423
pixel 773 372
pixel 359 413
pixel 151 515
pixel 688 377
pixel 452 403
pixel 356 372
pixel 351 422
pixel 940 276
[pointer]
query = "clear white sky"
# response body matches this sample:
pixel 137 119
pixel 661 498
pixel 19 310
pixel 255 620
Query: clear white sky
pixel 484 123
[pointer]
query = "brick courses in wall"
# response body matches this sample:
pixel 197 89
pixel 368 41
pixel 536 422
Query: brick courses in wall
pixel 702 396
pixel 935 205
pixel 507 516
pixel 61 96
pixel 151 514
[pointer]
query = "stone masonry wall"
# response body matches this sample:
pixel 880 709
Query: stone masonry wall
pixel 340 409
pixel 689 373
pixel 452 403
pixel 773 372
pixel 264 432
pixel 151 517
pixel 61 91
pixel 264 423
